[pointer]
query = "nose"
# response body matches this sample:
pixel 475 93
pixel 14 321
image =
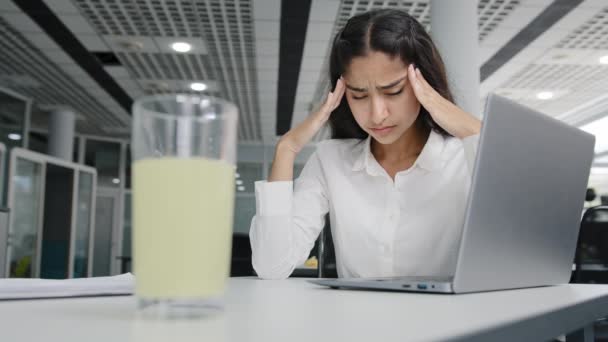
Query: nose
pixel 378 110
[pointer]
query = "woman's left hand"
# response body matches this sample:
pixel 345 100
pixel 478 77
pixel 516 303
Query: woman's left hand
pixel 446 114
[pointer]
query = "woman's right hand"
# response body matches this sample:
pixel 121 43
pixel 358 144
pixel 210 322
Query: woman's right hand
pixel 300 135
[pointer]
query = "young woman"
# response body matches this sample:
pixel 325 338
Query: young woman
pixel 395 176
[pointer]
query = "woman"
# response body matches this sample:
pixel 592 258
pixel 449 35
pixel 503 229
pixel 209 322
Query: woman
pixel 396 176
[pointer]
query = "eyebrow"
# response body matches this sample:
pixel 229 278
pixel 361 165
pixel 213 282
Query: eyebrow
pixel 384 87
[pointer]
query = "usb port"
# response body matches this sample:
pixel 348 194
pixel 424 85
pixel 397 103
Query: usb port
pixel 422 286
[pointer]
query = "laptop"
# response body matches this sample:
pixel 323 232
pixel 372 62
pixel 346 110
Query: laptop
pixel 523 211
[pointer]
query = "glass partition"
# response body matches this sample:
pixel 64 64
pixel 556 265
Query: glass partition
pixel 126 263
pixel 50 227
pixel 84 222
pixel 57 222
pixel 27 190
pixel 106 209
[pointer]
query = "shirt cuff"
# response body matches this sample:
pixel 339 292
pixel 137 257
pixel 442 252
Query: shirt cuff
pixel 273 198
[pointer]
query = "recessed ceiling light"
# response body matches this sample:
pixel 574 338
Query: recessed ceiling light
pixel 237 175
pixel 14 136
pixel 239 182
pixel 241 188
pixel 604 59
pixel 544 95
pixel 115 180
pixel 181 47
pixel 198 86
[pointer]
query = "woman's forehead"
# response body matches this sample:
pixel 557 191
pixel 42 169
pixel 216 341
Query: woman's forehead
pixel 378 68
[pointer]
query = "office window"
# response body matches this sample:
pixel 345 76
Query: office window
pixel 105 157
pixel 247 174
pixel 13 111
pixel 244 210
pixel 12 119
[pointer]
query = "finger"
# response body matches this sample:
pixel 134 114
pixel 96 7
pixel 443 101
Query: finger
pixel 330 98
pixel 412 77
pixel 338 93
pixel 422 80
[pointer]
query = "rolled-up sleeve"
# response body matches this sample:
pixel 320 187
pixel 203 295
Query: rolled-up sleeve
pixel 470 145
pixel 288 219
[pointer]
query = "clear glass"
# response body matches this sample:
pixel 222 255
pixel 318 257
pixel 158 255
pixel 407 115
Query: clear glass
pixel 184 153
pixel 23 238
pixel 83 224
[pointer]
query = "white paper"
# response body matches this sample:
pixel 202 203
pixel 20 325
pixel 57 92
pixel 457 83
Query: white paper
pixel 20 288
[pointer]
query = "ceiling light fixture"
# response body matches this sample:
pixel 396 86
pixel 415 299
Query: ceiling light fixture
pixel 241 188
pixel 14 136
pixel 198 86
pixel 604 59
pixel 181 47
pixel 115 180
pixel 544 95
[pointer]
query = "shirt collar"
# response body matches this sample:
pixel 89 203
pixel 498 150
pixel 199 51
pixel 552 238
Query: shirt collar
pixel 429 158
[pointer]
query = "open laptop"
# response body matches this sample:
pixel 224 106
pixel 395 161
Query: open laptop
pixel 523 211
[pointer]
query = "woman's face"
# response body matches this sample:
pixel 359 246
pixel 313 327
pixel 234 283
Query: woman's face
pixel 380 96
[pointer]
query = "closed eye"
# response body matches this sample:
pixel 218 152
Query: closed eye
pixel 396 93
pixel 390 94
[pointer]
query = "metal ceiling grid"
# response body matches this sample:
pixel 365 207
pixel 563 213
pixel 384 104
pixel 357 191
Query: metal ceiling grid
pixel 571 84
pixel 569 69
pixel 593 34
pixel 492 13
pixel 225 26
pixel 46 82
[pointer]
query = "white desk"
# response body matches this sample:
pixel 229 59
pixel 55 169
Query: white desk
pixel 294 310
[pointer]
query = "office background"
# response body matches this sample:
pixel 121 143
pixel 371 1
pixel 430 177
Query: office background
pixel 93 58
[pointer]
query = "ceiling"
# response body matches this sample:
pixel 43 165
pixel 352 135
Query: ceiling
pixel 98 56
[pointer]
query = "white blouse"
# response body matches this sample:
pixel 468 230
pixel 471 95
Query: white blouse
pixel 380 228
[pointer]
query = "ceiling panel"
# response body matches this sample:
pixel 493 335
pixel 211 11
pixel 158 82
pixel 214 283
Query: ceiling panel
pixel 28 70
pixel 569 68
pixel 139 32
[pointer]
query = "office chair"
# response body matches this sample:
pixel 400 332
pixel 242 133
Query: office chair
pixel 591 258
pixel 592 247
pixel 326 253
pixel 240 261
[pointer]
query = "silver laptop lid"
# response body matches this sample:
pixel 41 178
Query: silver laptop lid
pixel 526 200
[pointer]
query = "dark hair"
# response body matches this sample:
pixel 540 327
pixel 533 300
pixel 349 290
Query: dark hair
pixel 395 33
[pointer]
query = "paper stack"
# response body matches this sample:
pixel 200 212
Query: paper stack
pixel 20 288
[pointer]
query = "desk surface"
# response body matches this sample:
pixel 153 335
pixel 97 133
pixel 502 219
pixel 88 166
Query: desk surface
pixel 294 310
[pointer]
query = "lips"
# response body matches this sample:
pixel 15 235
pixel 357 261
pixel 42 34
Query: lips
pixel 383 130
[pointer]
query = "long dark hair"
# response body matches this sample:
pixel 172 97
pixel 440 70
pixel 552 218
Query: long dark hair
pixel 395 33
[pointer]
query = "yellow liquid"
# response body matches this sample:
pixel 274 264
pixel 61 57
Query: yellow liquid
pixel 182 226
